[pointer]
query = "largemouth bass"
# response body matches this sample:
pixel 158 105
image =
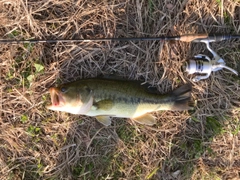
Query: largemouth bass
pixel 105 98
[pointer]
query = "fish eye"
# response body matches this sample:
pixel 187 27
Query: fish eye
pixel 63 89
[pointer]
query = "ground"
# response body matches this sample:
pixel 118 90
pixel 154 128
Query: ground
pixel 36 143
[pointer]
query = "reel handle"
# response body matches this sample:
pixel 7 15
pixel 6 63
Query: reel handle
pixel 230 69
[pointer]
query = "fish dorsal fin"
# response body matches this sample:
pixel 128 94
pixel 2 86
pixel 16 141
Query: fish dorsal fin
pixel 105 120
pixel 106 105
pixel 147 119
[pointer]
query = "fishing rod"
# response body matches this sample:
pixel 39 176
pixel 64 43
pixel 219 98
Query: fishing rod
pixel 183 38
pixel 201 64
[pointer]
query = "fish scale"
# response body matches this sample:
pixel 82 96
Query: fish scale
pixel 105 98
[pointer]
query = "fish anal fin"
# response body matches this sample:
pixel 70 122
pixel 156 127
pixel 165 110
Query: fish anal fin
pixel 146 119
pixel 105 120
pixel 104 104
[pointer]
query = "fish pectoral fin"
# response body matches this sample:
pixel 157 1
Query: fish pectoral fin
pixel 147 119
pixel 105 120
pixel 106 104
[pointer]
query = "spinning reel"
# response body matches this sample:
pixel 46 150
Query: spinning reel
pixel 203 65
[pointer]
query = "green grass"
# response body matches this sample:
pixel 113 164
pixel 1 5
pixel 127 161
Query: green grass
pixel 194 146
pixel 37 143
pixel 24 118
pixel 214 127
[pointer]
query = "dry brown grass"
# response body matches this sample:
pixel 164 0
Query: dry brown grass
pixel 41 144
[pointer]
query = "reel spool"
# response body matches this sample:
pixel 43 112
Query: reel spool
pixel 202 64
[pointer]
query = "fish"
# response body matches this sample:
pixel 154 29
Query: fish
pixel 105 98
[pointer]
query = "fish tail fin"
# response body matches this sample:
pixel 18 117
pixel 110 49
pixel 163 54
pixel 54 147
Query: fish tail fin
pixel 181 97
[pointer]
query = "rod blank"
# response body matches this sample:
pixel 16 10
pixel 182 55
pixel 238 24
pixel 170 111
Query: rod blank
pixel 183 38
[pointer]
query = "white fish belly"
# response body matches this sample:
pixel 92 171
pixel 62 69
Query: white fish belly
pixel 127 110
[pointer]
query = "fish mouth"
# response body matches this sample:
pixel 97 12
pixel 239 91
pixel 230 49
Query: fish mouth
pixel 56 98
